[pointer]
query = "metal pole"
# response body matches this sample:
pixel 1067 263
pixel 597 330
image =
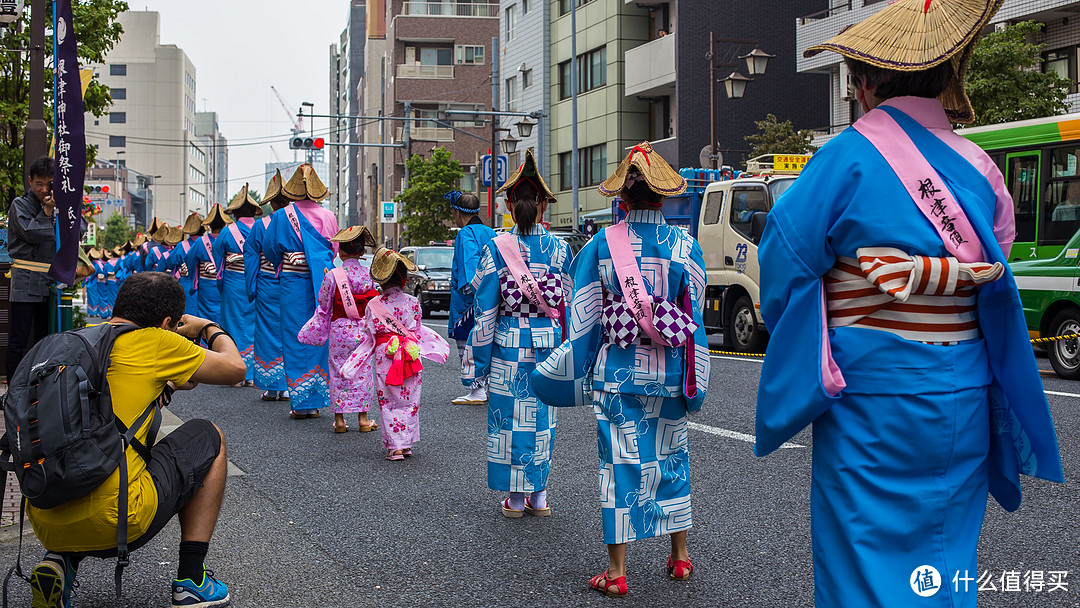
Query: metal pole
pixel 712 100
pixel 540 139
pixel 382 151
pixel 494 153
pixel 34 144
pixel 408 140
pixel 574 171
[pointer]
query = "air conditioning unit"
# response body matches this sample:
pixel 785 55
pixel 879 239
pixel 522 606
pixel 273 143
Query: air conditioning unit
pixel 847 91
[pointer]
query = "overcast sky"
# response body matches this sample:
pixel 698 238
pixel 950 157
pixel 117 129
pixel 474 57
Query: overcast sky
pixel 240 48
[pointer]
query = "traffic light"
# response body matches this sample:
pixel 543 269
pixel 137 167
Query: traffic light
pixel 103 189
pixel 307 143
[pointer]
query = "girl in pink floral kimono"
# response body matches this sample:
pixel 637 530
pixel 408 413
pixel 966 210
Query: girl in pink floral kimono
pixel 399 341
pixel 340 318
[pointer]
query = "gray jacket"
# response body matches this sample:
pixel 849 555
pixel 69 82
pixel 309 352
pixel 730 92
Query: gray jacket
pixel 31 236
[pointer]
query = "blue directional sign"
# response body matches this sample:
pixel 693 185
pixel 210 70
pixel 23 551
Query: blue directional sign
pixel 501 170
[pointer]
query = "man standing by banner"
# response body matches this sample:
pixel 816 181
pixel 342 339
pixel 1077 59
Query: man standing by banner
pixel 70 136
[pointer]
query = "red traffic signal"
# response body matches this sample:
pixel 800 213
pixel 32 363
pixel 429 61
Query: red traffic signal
pixel 307 143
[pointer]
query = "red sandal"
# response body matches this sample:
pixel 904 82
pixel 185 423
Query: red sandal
pixel 679 570
pixel 603 584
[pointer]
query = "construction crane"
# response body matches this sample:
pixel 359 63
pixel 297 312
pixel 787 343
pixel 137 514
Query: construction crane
pixel 295 118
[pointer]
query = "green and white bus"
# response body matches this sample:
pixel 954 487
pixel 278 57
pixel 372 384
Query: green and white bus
pixel 1040 160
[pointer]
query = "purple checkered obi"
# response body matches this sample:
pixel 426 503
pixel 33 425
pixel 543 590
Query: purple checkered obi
pixel 515 303
pixel 621 328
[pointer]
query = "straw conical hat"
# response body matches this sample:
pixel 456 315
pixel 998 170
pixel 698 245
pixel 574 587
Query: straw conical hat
pixel 194 222
pixel 352 233
pixel 528 171
pixel 305 185
pixel 117 251
pixel 154 226
pixel 127 247
pixel 916 35
pixel 659 175
pixel 161 234
pixel 96 254
pixel 384 263
pixel 243 198
pixel 273 189
pixel 176 234
pixel 140 240
pixel 216 214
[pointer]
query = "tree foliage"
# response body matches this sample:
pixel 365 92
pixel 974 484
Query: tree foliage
pixel 117 231
pixel 424 212
pixel 98 31
pixel 1004 80
pixel 775 137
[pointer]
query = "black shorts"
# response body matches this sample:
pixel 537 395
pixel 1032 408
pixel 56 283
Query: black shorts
pixel 178 465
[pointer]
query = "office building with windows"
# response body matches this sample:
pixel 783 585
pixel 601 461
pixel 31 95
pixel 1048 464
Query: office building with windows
pixel 346 70
pixel 524 57
pixel 151 126
pixel 217 164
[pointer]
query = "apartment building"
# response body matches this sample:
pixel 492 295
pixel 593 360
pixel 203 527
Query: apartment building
pixel 375 183
pixel 346 70
pixel 151 126
pixel 1061 35
pixel 207 129
pixel 524 73
pixel 438 57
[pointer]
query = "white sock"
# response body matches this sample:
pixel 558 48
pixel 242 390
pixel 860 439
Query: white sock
pixel 517 501
pixel 538 500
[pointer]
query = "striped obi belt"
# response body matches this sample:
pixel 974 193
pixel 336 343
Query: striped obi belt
pixel 919 298
pixel 621 328
pixel 295 261
pixel 516 304
pixel 234 262
pixel 183 270
pixel 265 265
pixel 404 354
pixel 208 271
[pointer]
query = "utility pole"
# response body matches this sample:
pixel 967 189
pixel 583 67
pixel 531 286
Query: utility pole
pixel 34 144
pixel 574 171
pixel 494 152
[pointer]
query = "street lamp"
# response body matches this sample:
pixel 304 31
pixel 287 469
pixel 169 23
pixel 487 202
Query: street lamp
pixel 757 61
pixel 525 128
pixel 509 144
pixel 735 85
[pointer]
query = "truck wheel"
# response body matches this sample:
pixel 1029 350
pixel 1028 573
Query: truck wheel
pixel 1065 354
pixel 742 327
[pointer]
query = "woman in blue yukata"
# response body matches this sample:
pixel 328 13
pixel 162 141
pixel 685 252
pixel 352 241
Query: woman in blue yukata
pixel 200 262
pixel 636 332
pixel 905 347
pixel 523 281
pixel 237 311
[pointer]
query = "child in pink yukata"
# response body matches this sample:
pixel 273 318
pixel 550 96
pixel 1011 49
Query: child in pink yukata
pixel 398 340
pixel 340 319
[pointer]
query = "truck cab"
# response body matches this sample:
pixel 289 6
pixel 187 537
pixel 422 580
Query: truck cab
pixel 729 228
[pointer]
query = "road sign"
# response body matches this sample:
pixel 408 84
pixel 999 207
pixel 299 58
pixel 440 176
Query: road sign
pixel 501 170
pixel 389 212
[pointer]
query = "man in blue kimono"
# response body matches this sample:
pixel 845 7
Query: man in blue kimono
pixel 468 247
pixel 907 349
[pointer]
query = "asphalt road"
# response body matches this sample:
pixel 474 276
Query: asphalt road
pixel 318 519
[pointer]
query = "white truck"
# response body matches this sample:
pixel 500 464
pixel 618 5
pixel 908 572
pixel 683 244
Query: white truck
pixel 730 225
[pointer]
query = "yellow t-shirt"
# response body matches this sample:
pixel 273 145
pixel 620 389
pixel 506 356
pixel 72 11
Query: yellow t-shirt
pixel 142 361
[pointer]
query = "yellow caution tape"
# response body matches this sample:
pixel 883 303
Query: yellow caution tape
pixel 1054 338
pixel 723 352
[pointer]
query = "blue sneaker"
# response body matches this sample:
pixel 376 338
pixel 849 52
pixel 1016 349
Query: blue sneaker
pixel 51 582
pixel 208 594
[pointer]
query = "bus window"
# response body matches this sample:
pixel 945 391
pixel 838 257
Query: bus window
pixel 1022 180
pixel 1062 216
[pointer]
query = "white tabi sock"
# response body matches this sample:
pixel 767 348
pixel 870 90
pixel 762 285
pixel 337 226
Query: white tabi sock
pixel 538 500
pixel 517 501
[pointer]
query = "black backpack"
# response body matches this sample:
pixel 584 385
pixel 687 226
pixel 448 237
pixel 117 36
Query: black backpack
pixel 62 438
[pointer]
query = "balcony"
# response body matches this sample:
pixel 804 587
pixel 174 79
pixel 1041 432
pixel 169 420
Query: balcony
pixel 450 9
pixel 650 68
pixel 426 134
pixel 425 71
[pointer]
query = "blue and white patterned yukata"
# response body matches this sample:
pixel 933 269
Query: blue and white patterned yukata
pixel 638 392
pixel 509 337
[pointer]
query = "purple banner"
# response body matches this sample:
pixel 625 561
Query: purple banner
pixel 70 136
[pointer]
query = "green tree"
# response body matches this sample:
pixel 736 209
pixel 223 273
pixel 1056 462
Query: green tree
pixel 1005 82
pixel 117 231
pixel 424 212
pixel 97 31
pixel 775 137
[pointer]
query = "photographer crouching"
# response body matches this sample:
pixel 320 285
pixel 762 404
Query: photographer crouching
pixel 185 474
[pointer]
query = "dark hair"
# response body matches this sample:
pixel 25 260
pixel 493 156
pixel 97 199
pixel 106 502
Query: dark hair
pixel 640 194
pixel 42 167
pixel 397 279
pixel 526 199
pixel 245 211
pixel 469 201
pixel 892 83
pixel 353 247
pixel 147 298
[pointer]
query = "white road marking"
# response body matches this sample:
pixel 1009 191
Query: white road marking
pixel 712 430
pixel 754 359
pixel 1061 394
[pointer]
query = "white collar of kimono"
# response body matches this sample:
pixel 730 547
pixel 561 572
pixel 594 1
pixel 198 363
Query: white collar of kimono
pixel 537 230
pixel 926 111
pixel 645 216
